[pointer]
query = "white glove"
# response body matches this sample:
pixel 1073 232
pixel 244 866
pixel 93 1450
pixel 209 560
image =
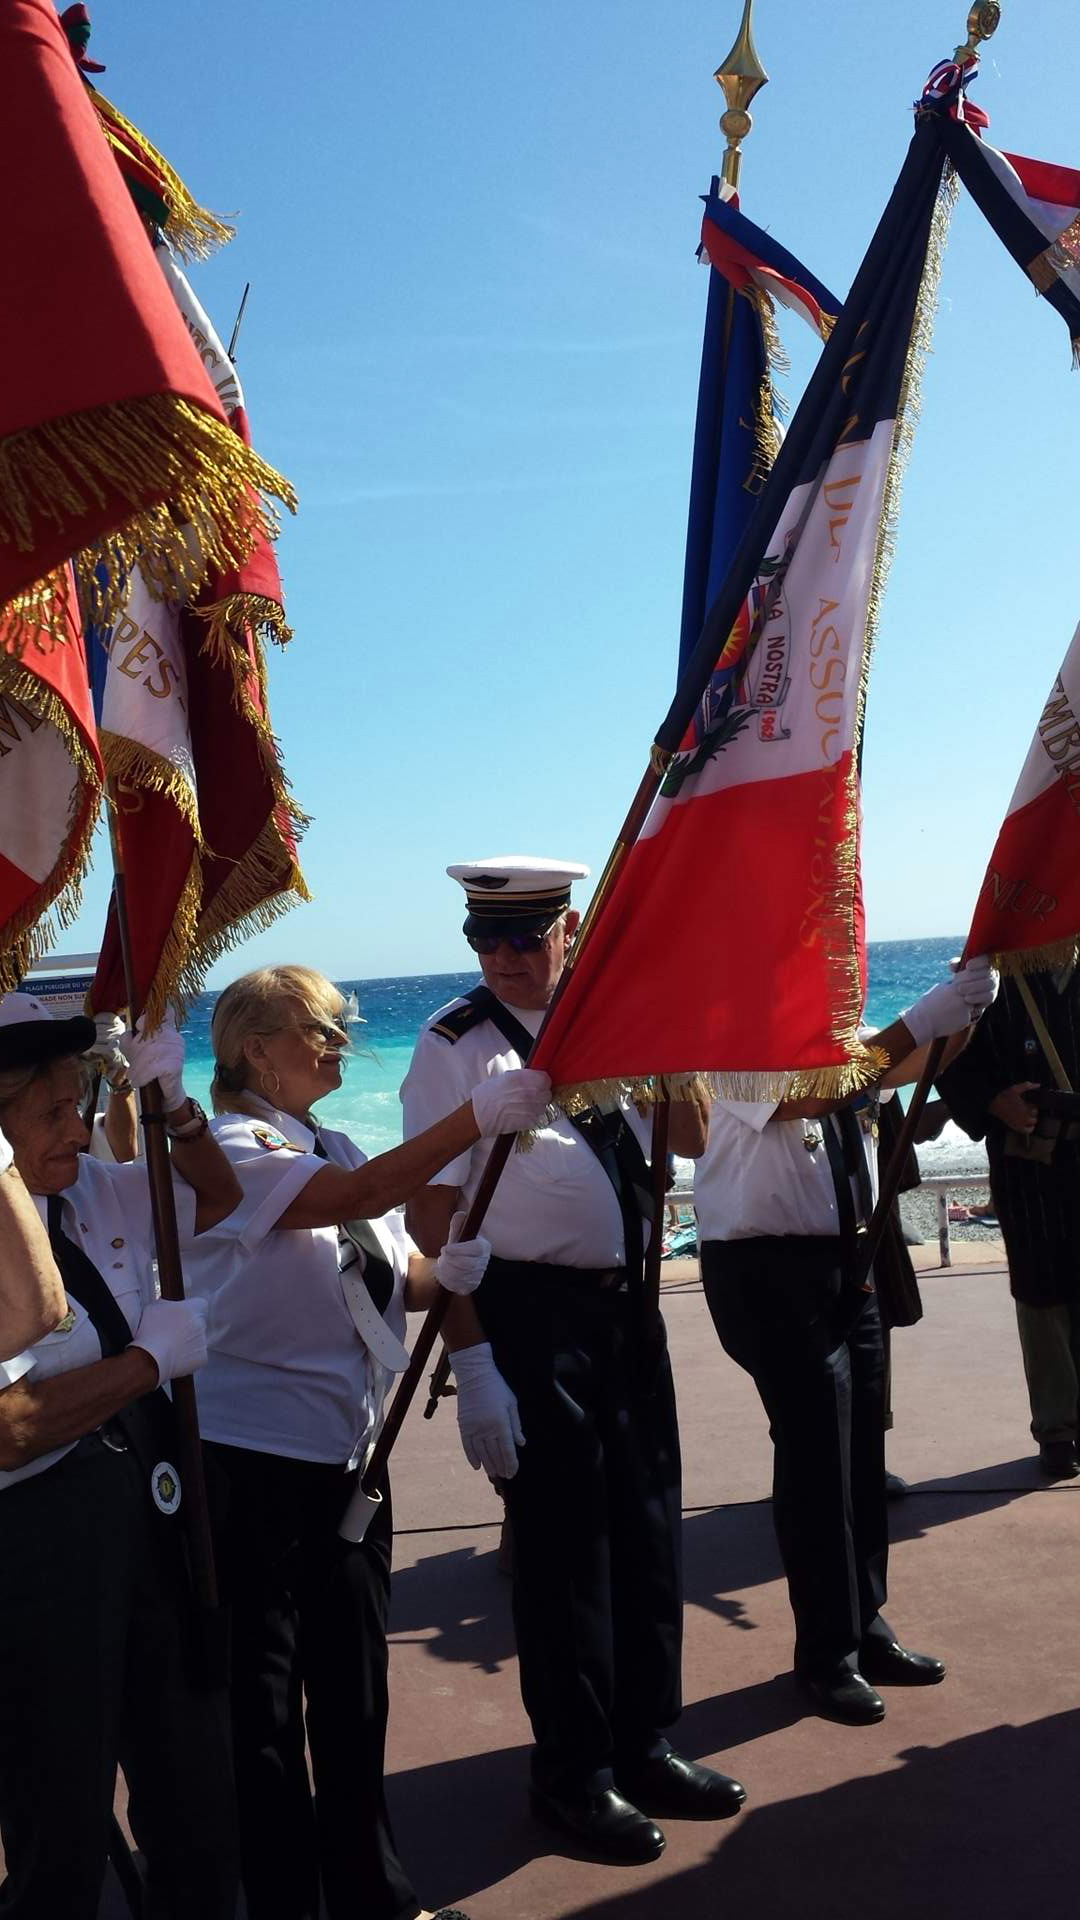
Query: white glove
pixel 487 1413
pixel 173 1332
pixel 6 1158
pixel 461 1265
pixel 953 1005
pixel 108 1032
pixel 157 1056
pixel 511 1102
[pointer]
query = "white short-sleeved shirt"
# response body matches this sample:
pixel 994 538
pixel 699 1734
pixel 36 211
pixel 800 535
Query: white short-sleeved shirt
pixel 287 1373
pixel 553 1203
pixel 763 1176
pixel 107 1213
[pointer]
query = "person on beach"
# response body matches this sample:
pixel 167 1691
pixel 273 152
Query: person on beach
pixel 559 1396
pixel 308 1283
pixel 95 1625
pixel 782 1193
pixel 1035 1186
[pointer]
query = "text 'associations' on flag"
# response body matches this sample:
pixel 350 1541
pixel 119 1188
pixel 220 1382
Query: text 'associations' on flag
pixel 732 941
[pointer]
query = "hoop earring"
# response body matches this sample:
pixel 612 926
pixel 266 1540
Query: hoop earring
pixel 264 1077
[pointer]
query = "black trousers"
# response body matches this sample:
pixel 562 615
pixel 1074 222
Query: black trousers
pixel 94 1668
pixel 309 1614
pixel 778 1307
pixel 596 1522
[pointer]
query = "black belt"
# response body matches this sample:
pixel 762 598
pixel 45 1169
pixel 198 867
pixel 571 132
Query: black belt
pixel 613 1280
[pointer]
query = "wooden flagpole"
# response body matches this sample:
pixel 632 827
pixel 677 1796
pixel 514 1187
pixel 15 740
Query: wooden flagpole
pixel 171 1278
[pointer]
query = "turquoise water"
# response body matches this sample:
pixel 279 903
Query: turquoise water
pixel 367 1105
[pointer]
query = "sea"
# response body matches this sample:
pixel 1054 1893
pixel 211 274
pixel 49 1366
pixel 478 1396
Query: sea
pixel 367 1106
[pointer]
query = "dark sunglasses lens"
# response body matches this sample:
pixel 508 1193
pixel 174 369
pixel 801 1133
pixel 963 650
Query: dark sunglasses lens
pixel 487 943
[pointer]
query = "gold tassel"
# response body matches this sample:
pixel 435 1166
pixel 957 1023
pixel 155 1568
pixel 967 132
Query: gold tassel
pixel 192 230
pixel 55 905
pixel 210 519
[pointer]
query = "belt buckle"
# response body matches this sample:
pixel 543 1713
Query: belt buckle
pixel 113 1438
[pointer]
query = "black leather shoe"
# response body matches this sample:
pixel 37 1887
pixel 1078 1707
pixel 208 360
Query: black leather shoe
pixel 604 1823
pixel 895 1488
pixel 682 1789
pixel 844 1696
pixel 888 1664
pixel 1057 1459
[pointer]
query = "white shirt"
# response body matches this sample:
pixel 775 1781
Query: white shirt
pixel 107 1213
pixel 764 1176
pixel 288 1372
pixel 554 1203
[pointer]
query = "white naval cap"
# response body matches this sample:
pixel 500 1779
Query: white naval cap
pixel 520 891
pixel 30 1034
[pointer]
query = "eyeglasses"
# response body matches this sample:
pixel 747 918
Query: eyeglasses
pixel 330 1035
pixel 487 943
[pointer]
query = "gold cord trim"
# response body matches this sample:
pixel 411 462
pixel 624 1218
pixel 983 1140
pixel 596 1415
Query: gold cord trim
pixel 178 977
pixel 192 230
pixel 210 518
pixel 55 905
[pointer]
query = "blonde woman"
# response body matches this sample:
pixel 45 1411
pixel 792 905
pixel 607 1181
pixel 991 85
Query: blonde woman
pixel 305 1330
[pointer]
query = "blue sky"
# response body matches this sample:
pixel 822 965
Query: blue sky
pixel 472 343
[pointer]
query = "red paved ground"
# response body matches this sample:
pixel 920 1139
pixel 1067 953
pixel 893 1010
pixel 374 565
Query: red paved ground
pixel 962 1801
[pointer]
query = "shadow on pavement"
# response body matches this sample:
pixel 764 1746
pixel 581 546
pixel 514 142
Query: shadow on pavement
pixel 985 1825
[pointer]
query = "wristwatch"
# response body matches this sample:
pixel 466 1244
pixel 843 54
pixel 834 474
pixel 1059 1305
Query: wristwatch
pixel 192 1129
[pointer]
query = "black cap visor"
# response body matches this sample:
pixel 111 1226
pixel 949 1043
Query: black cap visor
pixel 33 1043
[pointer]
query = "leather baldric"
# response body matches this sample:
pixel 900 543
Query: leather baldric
pixel 368 1292
pixel 607 1135
pixel 146 1424
pixel 847 1162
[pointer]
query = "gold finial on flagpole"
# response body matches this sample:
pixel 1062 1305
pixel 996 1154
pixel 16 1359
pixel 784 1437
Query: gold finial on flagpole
pixel 742 76
pixel 982 23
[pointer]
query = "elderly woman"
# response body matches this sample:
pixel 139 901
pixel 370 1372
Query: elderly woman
pixel 308 1283
pixel 94 1648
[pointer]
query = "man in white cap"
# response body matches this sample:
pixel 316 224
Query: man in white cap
pixel 554 1360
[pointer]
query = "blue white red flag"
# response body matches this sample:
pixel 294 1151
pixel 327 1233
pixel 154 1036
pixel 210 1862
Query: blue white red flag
pixel 758 977
pixel 1034 208
pixel 737 430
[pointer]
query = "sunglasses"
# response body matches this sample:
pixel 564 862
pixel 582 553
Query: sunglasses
pixel 517 942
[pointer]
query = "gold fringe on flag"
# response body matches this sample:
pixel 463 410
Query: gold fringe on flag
pixel 191 229
pixel 178 978
pixel 239 612
pixel 135 768
pixel 210 519
pixel 54 906
pixel 1050 959
pixel 816 1083
pixel 838 931
pixel 42 615
pixel 242 905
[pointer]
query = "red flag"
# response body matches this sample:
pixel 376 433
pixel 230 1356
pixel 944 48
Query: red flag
pixel 1028 910
pixel 50 786
pixel 108 421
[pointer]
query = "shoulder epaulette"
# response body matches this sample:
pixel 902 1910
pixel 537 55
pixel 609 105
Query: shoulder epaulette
pixel 450 1026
